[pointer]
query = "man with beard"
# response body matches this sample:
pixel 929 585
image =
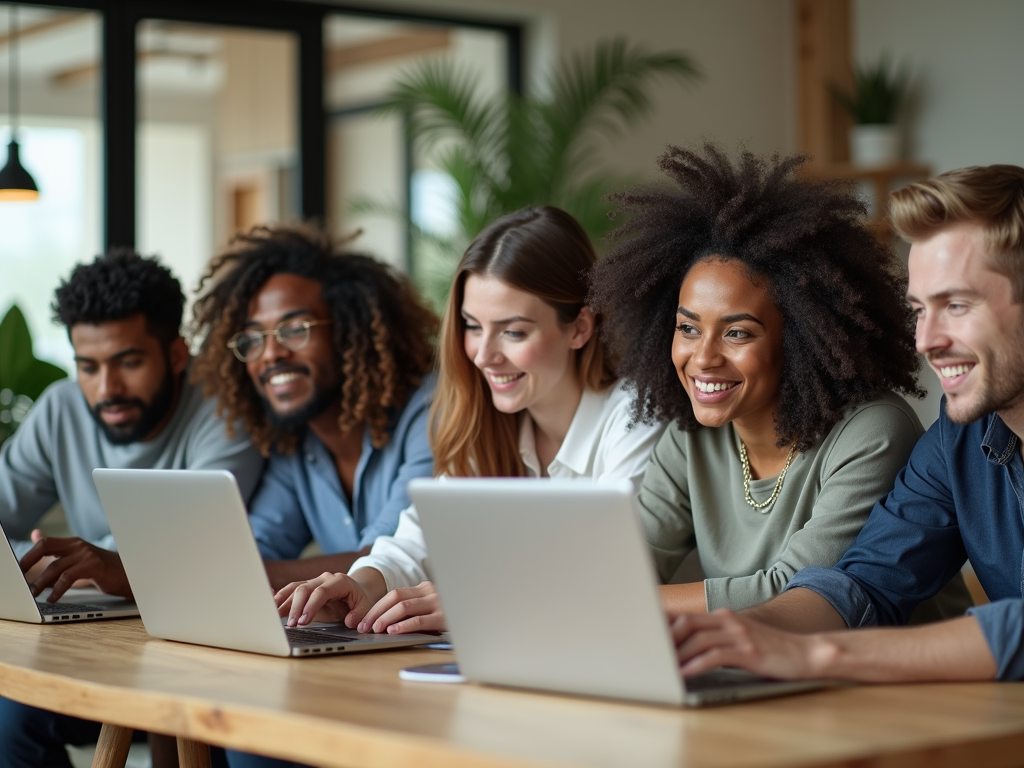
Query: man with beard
pixel 131 407
pixel 960 497
pixel 325 358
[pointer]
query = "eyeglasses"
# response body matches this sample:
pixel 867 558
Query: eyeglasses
pixel 290 334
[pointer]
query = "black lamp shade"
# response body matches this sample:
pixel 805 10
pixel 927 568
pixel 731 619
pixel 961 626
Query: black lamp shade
pixel 15 182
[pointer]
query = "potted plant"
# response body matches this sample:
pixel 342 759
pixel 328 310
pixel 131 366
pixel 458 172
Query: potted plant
pixel 507 151
pixel 22 377
pixel 874 105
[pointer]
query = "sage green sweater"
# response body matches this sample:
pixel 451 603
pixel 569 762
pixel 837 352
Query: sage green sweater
pixel 692 496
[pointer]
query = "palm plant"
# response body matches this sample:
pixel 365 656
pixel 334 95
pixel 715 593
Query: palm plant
pixel 507 151
pixel 878 92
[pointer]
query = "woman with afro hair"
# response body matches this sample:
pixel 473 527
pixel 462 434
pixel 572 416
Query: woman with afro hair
pixel 757 312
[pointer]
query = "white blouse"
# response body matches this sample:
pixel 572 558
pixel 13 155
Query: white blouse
pixel 599 444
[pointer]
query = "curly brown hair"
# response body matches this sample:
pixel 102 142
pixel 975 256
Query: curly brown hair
pixel 847 330
pixel 383 333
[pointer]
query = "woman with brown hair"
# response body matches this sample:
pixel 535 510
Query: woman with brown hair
pixel 525 389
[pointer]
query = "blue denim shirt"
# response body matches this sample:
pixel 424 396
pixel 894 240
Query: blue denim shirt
pixel 300 497
pixel 959 497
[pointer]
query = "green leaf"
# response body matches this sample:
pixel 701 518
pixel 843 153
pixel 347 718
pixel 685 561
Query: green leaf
pixel 36 377
pixel 15 347
pixel 877 95
pixel 20 371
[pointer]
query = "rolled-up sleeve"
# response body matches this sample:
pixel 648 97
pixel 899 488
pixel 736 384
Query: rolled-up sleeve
pixel 841 590
pixel 1002 623
pixel 911 545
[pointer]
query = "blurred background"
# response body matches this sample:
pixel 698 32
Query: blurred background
pixel 169 126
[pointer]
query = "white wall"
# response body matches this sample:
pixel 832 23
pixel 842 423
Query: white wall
pixel 968 63
pixel 967 105
pixel 744 48
pixel 174 209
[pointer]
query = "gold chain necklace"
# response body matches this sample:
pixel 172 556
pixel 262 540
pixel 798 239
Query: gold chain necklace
pixel 764 506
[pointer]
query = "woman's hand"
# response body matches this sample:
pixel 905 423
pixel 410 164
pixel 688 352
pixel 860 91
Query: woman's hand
pixel 328 597
pixel 414 609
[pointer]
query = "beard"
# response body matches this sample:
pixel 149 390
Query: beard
pixel 294 421
pixel 150 414
pixel 1000 391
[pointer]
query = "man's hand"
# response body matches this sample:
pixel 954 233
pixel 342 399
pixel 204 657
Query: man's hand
pixel 415 609
pixel 74 559
pixel 40 565
pixel 725 639
pixel 328 597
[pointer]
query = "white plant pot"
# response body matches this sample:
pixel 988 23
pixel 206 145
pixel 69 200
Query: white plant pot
pixel 873 145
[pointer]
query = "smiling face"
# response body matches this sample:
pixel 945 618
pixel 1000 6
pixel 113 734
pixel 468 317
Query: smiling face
pixel 296 385
pixel 727 349
pixel 130 378
pixel 968 326
pixel 525 355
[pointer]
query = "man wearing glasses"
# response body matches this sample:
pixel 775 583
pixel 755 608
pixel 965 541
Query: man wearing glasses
pixel 325 358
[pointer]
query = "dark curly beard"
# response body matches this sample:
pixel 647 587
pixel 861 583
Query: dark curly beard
pixel 150 414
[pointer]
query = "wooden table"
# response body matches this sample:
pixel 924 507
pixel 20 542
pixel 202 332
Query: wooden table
pixel 354 711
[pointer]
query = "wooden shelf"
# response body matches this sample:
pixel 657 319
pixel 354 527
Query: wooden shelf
pixel 851 171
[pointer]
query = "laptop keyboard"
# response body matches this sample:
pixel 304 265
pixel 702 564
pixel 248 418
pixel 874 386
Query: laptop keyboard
pixel 315 637
pixel 716 680
pixel 48 609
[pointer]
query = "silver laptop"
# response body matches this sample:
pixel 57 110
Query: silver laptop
pixel 18 604
pixel 196 573
pixel 549 584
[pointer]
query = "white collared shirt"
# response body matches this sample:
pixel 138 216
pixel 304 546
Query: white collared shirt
pixel 600 444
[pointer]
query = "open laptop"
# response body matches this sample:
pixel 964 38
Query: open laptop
pixel 18 604
pixel 196 573
pixel 549 584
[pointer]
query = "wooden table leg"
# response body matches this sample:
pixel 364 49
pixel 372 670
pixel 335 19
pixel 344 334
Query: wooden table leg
pixel 192 754
pixel 112 748
pixel 164 750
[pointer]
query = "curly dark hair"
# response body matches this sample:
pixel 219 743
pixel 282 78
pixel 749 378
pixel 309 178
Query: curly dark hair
pixel 382 331
pixel 847 330
pixel 117 285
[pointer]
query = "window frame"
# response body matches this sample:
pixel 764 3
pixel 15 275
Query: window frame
pixel 119 100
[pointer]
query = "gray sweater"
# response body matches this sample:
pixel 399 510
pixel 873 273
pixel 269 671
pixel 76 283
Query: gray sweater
pixel 692 496
pixel 51 457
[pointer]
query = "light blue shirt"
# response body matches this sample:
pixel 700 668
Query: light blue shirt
pixel 52 455
pixel 301 498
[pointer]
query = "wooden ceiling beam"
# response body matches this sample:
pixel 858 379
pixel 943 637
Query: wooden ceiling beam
pixel 87 72
pixel 399 45
pixel 58 19
pixel 387 48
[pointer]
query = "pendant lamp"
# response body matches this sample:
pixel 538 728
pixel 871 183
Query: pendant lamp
pixel 15 182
